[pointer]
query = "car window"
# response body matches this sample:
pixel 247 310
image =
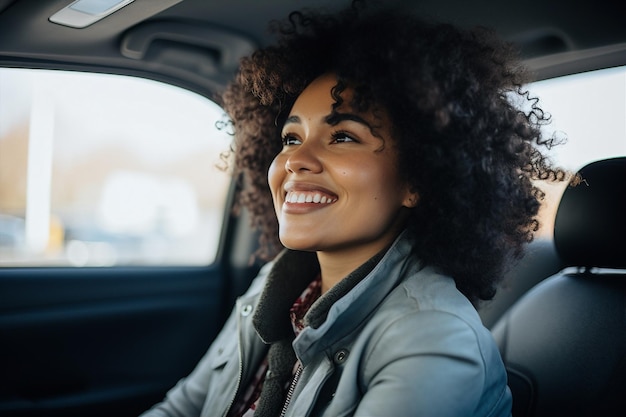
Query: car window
pixel 102 170
pixel 589 111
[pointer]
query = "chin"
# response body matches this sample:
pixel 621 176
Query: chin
pixel 301 244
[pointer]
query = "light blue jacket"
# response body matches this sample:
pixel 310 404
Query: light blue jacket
pixel 402 342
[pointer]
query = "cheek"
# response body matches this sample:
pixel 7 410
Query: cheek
pixel 377 178
pixel 382 184
pixel 275 175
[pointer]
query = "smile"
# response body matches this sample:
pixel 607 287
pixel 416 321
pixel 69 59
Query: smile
pixel 302 197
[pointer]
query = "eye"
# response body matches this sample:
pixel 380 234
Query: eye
pixel 289 139
pixel 343 137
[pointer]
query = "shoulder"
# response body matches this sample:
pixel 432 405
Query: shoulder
pixel 257 284
pixel 426 314
pixel 429 336
pixel 430 295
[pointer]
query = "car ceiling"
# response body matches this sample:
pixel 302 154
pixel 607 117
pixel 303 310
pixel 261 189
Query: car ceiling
pixel 200 41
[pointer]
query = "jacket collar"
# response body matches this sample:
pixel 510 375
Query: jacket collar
pixel 292 271
pixel 349 312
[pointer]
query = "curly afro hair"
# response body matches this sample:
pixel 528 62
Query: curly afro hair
pixel 453 98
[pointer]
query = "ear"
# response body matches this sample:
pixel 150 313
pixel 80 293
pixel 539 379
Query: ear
pixel 411 199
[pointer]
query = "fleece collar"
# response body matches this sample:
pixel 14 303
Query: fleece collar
pixel 291 273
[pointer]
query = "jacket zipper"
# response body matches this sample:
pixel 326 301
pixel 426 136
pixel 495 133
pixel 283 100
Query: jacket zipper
pixel 240 375
pixel 232 401
pixel 292 388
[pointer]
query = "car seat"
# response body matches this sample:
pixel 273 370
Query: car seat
pixel 564 343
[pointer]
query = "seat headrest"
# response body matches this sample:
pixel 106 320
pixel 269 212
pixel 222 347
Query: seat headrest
pixel 590 224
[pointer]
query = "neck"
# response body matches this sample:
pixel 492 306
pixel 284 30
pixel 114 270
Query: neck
pixel 335 265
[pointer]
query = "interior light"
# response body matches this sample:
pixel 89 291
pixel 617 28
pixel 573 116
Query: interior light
pixel 82 13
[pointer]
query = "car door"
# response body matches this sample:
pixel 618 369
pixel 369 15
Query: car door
pixel 119 258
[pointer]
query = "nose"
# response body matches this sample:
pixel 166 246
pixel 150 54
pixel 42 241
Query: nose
pixel 304 158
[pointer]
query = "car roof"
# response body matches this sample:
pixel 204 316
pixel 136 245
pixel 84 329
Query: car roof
pixel 556 37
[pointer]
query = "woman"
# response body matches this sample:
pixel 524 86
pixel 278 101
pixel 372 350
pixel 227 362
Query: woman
pixel 387 156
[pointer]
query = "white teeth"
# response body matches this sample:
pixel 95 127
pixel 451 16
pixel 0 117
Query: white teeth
pixel 299 198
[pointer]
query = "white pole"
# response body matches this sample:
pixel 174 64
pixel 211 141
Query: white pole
pixel 39 171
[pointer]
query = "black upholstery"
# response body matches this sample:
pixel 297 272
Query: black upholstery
pixel 590 225
pixel 564 343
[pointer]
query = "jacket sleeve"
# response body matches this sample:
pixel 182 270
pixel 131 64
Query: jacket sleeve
pixel 442 370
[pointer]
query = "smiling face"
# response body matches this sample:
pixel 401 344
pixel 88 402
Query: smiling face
pixel 335 184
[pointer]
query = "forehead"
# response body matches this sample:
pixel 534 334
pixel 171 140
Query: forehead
pixel 316 97
pixel 320 101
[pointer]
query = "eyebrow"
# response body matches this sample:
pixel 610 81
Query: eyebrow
pixel 293 119
pixel 333 119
